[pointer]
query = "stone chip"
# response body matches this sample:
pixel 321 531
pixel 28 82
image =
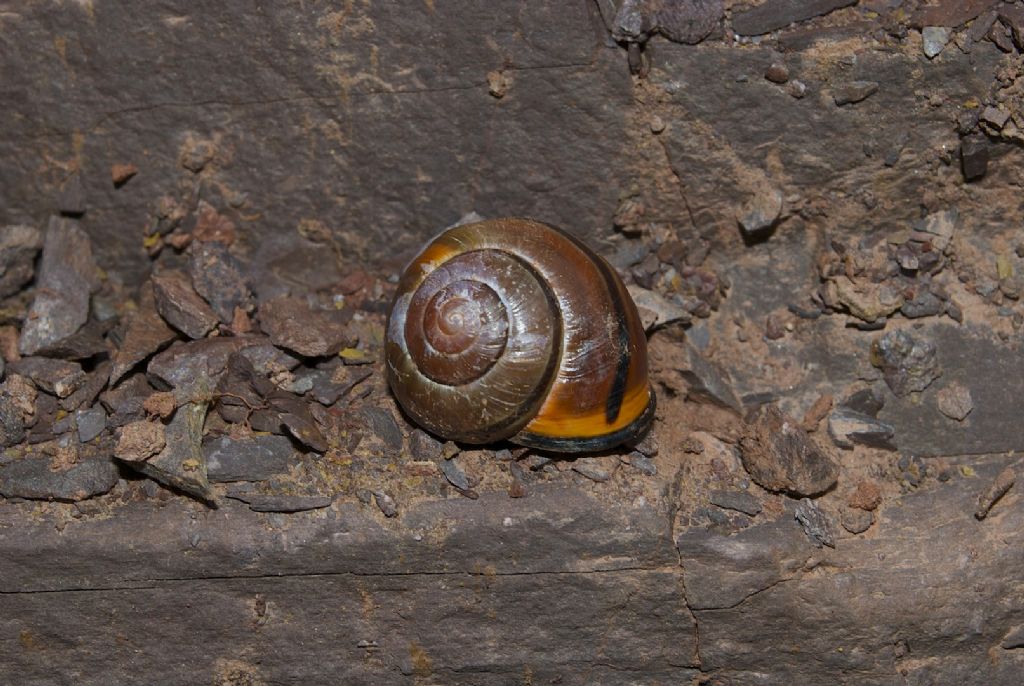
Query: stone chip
pixel 67 277
pixel 34 478
pixel 777 14
pixel 180 306
pixel 780 456
pixel 291 323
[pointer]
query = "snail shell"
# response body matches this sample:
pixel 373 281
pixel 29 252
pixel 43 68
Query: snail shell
pixel 513 329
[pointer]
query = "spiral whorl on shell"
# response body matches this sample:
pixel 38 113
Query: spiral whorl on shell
pixel 510 328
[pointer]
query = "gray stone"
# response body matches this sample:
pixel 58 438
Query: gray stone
pixel 146 334
pixel 85 343
pixel 454 473
pixel 776 14
pixel 942 226
pixel 291 323
pixel 722 570
pixel 996 117
pixel 599 469
pixel 981 26
pixel 740 501
pixel 655 309
pixel 125 401
pixel 908 363
pixel 181 463
pixel 948 13
pixel 301 384
pixel 198 363
pixel 67 276
pixel 58 377
pixel 628 253
pixel 924 304
pixel 761 212
pixel 934 40
pixel 632 22
pixel 641 463
pixel 90 423
pixel 855 520
pixel 19 246
pixel 94 384
pixel 816 524
pixel 33 478
pixel 886 597
pixel 268 360
pixel 682 21
pixel 1013 17
pixel 386 503
pixel 955 401
pixel 558 60
pixel 383 425
pixel 423 446
pixel 255 458
pixel 708 380
pixel 12 428
pixel 180 306
pixel 847 427
pixel 300 425
pixel 218 277
pixel 854 92
pixel 1014 638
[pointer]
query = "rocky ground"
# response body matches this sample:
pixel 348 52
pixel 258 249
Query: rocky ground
pixel 817 208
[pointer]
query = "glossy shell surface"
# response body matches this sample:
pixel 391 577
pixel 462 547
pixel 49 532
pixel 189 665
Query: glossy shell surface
pixel 513 329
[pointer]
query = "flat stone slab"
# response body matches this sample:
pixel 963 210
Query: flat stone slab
pixel 562 584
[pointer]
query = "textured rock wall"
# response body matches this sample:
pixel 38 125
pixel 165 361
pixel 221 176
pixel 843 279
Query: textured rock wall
pixel 375 119
pixel 809 183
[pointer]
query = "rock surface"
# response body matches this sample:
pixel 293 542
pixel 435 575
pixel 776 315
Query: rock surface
pixel 792 226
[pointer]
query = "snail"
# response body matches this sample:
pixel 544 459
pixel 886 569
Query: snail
pixel 513 329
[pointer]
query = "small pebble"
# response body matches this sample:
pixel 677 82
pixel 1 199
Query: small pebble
pixel 797 89
pixel 777 73
pixel 817 525
pixel 855 520
pixel 598 469
pixel 934 39
pixel 955 401
pixel 91 423
pixel 386 504
pixel 517 489
pixel 641 463
pixel 866 496
pixel 456 477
